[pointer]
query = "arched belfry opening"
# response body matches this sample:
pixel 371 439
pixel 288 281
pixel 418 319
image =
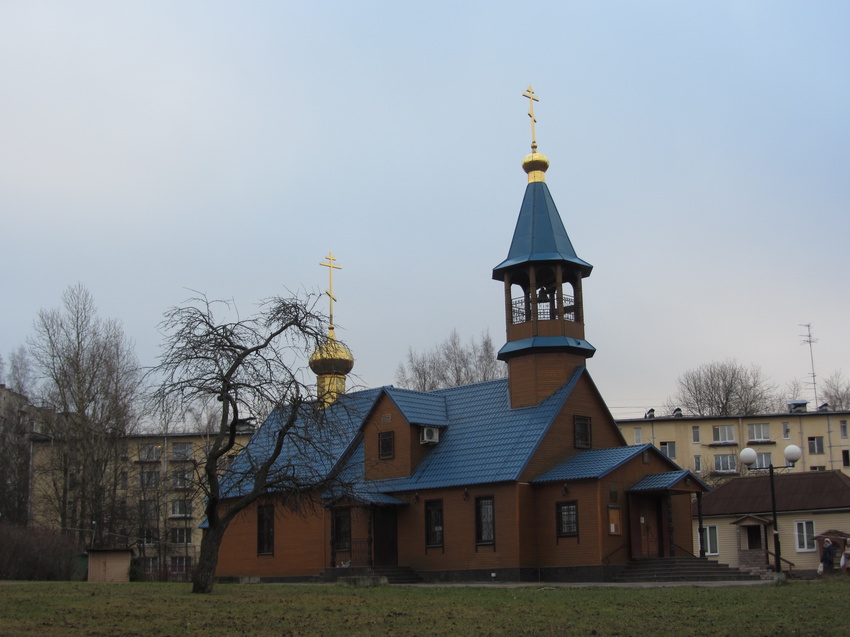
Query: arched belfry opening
pixel 544 304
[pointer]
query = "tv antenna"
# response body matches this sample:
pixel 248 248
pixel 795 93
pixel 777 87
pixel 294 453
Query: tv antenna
pixel 810 340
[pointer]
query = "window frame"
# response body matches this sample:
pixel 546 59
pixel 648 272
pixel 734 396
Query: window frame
pixel 485 520
pixel 435 535
pixel 763 460
pixel 720 434
pixel 697 464
pixel 816 447
pixel 181 450
pixel 638 433
pixel 758 432
pixel 386 445
pixel 842 427
pixel 265 529
pixel 695 434
pixel 727 458
pixel 786 431
pixel 710 541
pixel 582 432
pixel 176 532
pixel 808 545
pixel 666 446
pixel 341 529
pixel 181 508
pixel 566 525
pixel 149 452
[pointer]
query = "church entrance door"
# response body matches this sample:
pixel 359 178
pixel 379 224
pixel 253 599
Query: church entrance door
pixel 386 536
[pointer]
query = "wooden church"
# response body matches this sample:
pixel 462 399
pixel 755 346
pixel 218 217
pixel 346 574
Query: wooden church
pixel 519 479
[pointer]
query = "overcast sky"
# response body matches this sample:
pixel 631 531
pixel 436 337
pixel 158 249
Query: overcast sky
pixel 700 160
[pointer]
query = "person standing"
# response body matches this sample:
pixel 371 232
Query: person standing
pixel 827 557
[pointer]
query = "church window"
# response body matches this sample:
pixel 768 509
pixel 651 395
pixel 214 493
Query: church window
pixel 433 523
pixel 582 432
pixel 265 529
pixel 485 527
pixel 342 529
pixel 566 518
pixel 386 445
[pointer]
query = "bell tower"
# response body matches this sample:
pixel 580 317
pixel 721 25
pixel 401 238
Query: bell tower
pixel 542 278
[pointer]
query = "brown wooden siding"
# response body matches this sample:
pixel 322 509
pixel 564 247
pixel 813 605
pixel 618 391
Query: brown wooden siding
pixel 535 377
pixel 301 544
pixel 408 452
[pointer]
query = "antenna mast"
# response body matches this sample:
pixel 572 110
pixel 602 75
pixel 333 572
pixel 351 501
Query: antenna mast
pixel 810 340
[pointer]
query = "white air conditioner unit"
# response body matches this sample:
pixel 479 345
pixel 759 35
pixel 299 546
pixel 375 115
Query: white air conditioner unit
pixel 429 436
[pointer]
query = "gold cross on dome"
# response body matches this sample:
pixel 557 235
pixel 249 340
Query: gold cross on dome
pixel 330 291
pixel 531 99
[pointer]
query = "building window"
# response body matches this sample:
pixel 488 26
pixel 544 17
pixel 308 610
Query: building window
pixel 181 508
pixel 786 430
pixel 180 563
pixel 725 463
pixel 150 537
pixel 149 452
pixel 697 464
pixel 638 436
pixel 181 479
pixel 613 520
pixel 566 518
pixel 709 540
pixel 817 468
pixel 695 434
pixel 342 529
pixel 485 525
pixel 149 510
pixel 805 530
pixel 763 460
pixel 842 426
pixel 723 433
pixel 668 449
pixel 150 564
pixel 181 535
pixel 149 479
pixel 386 445
pixel 265 529
pixel 434 523
pixel 758 432
pixel 582 432
pixel 181 450
pixel 845 457
pixel 122 480
pixel 816 444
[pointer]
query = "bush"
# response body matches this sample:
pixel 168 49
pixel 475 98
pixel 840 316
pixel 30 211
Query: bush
pixel 37 554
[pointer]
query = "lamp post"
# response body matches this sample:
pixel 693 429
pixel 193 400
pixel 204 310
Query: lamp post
pixel 748 457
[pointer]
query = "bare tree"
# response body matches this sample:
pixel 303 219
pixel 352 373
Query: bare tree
pixel 724 389
pixel 21 376
pixel 252 367
pixel 449 364
pixel 90 379
pixel 16 422
pixel 836 391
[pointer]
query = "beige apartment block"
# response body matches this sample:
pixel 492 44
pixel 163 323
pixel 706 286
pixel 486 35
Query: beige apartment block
pixel 709 445
pixel 152 504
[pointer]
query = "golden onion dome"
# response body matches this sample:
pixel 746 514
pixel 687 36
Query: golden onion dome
pixel 331 357
pixel 535 165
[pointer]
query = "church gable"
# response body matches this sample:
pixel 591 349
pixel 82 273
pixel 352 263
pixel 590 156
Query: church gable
pixel 391 443
pixel 582 423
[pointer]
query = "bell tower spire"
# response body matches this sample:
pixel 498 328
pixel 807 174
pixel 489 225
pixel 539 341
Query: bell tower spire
pixel 542 275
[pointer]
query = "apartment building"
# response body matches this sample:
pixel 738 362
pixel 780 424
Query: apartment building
pixel 710 445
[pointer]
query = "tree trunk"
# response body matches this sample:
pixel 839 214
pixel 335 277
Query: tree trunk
pixel 204 577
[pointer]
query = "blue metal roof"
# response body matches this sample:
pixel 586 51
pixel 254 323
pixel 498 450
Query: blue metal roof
pixel 540 234
pixel 593 463
pixel 486 441
pixel 420 408
pixel 660 481
pixel 314 445
pixel 546 342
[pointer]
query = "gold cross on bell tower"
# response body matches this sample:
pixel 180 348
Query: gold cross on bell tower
pixel 531 99
pixel 330 291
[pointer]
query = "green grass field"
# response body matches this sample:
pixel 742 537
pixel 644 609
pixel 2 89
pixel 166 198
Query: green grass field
pixel 70 609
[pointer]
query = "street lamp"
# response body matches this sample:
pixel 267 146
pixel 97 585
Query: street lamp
pixel 748 457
